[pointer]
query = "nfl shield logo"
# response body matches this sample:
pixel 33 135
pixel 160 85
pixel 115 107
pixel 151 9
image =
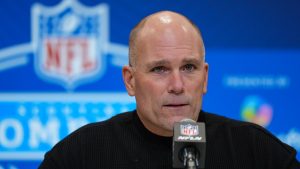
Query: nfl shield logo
pixel 189 130
pixel 69 42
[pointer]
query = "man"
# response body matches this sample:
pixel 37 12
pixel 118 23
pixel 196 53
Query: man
pixel 167 74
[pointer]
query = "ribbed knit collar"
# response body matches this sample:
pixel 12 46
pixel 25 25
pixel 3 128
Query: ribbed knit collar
pixel 154 139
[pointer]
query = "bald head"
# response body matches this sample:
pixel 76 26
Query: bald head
pixel 164 24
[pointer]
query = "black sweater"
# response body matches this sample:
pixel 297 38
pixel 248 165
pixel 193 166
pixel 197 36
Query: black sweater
pixel 122 142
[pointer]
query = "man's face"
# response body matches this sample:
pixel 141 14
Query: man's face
pixel 168 80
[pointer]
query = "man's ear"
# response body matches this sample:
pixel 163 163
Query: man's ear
pixel 128 77
pixel 205 78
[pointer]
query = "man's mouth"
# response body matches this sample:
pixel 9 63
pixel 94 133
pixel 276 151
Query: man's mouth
pixel 175 105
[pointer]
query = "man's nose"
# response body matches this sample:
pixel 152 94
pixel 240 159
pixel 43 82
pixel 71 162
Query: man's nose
pixel 176 84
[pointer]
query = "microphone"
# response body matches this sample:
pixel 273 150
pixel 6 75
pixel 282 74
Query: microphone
pixel 189 144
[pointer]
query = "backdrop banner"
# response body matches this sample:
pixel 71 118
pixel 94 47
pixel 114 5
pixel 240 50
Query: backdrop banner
pixel 61 62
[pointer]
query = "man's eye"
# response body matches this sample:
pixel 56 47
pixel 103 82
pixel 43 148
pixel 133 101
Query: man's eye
pixel 159 69
pixel 189 68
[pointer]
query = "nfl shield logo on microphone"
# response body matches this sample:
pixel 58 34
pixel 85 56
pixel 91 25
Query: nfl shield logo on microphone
pixel 189 130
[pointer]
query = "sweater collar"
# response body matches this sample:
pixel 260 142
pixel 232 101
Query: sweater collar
pixel 154 138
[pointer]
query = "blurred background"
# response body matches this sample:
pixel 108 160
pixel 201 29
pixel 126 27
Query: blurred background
pixel 60 66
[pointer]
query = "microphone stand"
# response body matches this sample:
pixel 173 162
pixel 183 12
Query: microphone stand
pixel 190 159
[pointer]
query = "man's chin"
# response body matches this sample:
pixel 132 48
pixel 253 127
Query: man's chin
pixel 178 118
pixel 170 122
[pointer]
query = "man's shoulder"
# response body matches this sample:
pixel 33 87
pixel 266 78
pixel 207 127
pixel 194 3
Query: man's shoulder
pixel 103 130
pixel 217 121
pixel 106 125
pixel 88 140
pixel 242 131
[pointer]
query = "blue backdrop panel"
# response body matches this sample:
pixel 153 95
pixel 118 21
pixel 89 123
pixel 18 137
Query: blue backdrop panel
pixel 60 66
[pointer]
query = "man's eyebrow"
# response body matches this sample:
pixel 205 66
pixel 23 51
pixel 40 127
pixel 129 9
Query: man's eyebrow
pixel 192 60
pixel 166 62
pixel 157 63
